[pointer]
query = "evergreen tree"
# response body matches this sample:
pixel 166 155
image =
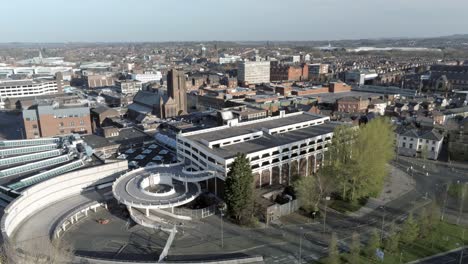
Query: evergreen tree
pixel 355 249
pixel 393 240
pixel 239 190
pixel 333 253
pixel 373 244
pixel 410 230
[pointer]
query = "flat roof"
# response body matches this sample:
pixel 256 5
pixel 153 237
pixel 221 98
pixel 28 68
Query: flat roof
pixel 247 129
pixel 269 141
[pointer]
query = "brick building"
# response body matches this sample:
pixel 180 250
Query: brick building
pixel 284 72
pixel 51 120
pixel 352 104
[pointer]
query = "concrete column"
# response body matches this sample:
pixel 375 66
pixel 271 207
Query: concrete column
pixel 289 173
pixel 147 212
pixel 216 186
pixel 271 175
pixel 315 163
pixel 86 212
pixel 130 210
pixel 280 172
pixel 172 209
pixel 299 166
pixel 307 166
pixel 260 183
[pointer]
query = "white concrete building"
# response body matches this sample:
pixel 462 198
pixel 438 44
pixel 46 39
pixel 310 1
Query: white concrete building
pixel 128 86
pixel 253 72
pixel 415 142
pixel 278 147
pixel 360 76
pixel 8 71
pixel 226 58
pixel 25 88
pixel 147 77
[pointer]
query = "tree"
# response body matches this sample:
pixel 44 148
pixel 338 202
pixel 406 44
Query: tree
pixel 355 249
pixel 333 253
pixel 311 190
pixel 358 156
pixel 424 225
pixel 373 149
pixel 393 240
pixel 425 153
pixel 373 243
pixel 410 230
pixel 239 190
pixel 40 250
pixel 434 214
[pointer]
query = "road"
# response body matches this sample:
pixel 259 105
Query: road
pixel 449 258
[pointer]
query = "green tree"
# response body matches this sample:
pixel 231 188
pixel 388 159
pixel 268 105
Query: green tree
pixel 239 190
pixel 333 253
pixel 311 190
pixel 434 214
pixel 393 240
pixel 410 230
pixel 372 244
pixel 373 149
pixel 355 249
pixel 358 156
pixel 424 225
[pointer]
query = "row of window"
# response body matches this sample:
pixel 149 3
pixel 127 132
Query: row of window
pixel 295 147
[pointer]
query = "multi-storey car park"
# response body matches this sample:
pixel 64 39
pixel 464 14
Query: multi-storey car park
pixel 277 147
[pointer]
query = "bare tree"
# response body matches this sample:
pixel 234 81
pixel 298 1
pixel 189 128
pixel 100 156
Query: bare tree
pixel 40 250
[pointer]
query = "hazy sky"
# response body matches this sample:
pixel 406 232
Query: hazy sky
pixel 185 20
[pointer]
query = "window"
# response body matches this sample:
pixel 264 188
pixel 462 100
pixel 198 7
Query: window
pixel 81 122
pixel 61 124
pixel 433 149
pixel 404 144
pixel 72 123
pixel 34 126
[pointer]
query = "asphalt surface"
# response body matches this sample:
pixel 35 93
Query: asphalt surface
pixel 287 242
pixel 450 258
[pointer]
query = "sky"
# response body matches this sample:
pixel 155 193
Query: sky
pixel 227 20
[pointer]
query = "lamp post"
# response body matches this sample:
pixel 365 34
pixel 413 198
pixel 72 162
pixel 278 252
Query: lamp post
pixel 222 209
pixel 383 223
pixel 462 200
pixel 300 245
pixel 325 213
pixel 445 202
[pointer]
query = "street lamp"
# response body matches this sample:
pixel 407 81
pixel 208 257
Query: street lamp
pixel 325 213
pixel 383 223
pixel 222 208
pixel 445 202
pixel 300 245
pixel 462 201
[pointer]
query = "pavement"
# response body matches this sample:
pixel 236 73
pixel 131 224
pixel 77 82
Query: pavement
pixel 294 238
pixel 455 257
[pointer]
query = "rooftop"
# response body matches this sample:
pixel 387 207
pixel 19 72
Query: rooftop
pixel 246 129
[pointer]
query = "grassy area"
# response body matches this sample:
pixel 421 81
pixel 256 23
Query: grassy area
pixel 445 237
pixel 345 206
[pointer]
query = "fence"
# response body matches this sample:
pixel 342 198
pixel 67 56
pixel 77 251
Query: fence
pixel 196 213
pixel 275 211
